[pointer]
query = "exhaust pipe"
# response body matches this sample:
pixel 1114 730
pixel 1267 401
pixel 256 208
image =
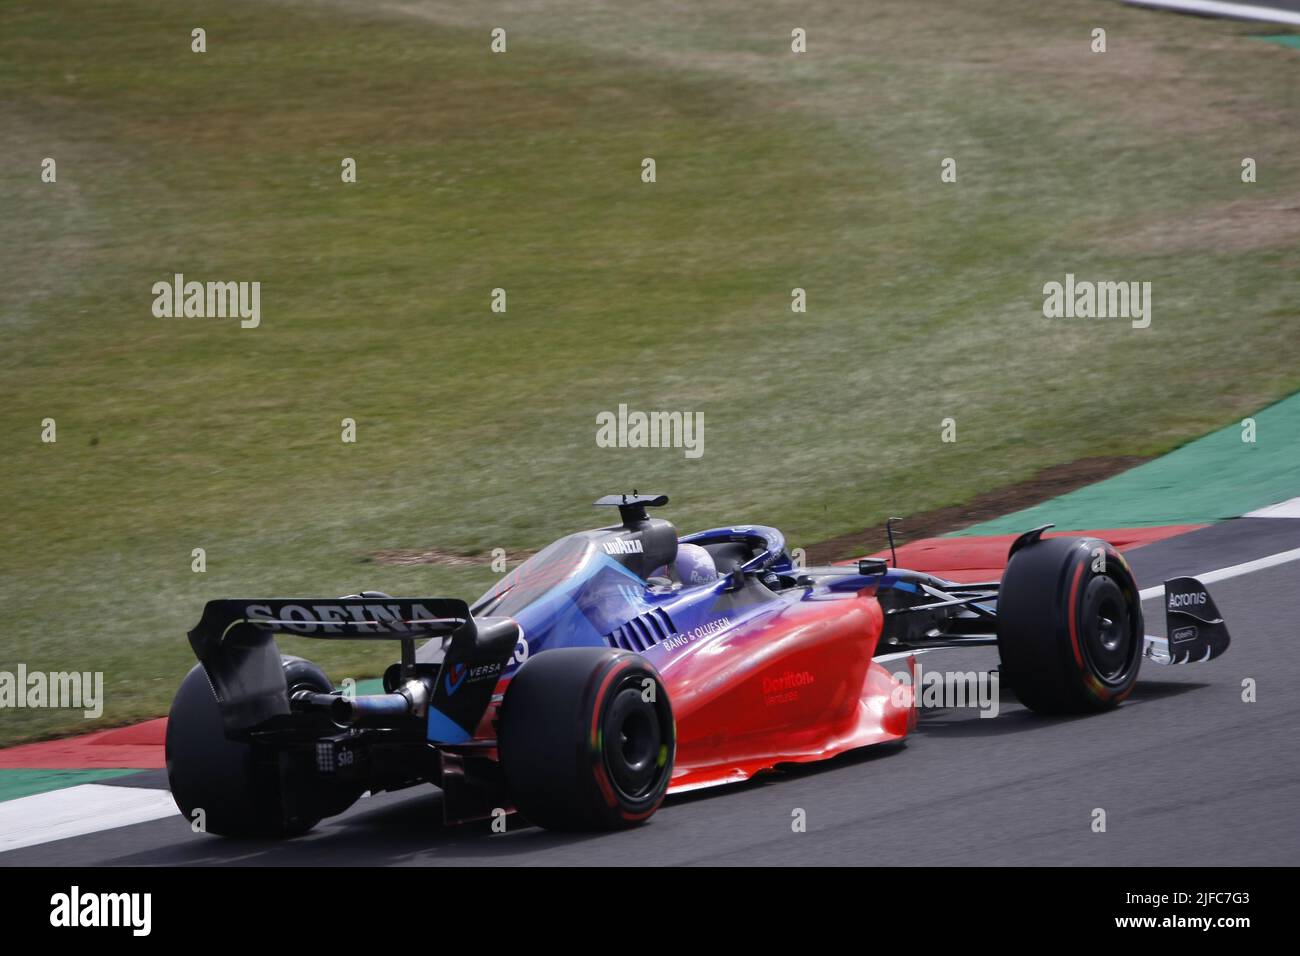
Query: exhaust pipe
pixel 369 709
pixel 410 700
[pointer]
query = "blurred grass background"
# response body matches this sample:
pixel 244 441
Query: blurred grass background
pixel 476 430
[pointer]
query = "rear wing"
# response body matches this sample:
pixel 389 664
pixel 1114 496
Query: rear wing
pixel 234 641
pixel 1194 629
pixel 355 618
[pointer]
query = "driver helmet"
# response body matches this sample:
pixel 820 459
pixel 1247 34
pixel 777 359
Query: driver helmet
pixel 694 565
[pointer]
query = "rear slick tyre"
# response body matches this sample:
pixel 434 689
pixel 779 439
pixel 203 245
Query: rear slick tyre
pixel 236 788
pixel 587 739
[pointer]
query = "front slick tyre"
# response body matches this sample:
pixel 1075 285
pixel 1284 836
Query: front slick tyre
pixel 1070 630
pixel 586 739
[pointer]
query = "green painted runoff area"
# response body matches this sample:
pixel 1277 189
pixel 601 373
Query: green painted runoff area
pixel 1212 478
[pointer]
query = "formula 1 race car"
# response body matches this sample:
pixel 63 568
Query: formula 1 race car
pixel 596 676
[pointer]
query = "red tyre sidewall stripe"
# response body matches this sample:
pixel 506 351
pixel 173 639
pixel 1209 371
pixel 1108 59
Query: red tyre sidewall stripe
pixel 1094 685
pixel 594 754
pixel 1073 614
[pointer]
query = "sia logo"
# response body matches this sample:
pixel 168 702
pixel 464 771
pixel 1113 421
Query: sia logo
pixel 455 677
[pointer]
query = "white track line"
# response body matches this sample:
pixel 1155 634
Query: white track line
pixel 76 811
pixel 1236 570
pixel 1283 509
pixel 1216 8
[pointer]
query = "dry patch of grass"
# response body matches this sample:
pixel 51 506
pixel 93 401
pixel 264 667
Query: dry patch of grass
pixel 1266 222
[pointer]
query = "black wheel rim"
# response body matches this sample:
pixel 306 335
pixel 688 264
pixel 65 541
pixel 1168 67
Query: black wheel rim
pixel 1108 639
pixel 633 741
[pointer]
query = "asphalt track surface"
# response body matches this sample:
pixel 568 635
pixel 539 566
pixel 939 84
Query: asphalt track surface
pixel 1187 773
